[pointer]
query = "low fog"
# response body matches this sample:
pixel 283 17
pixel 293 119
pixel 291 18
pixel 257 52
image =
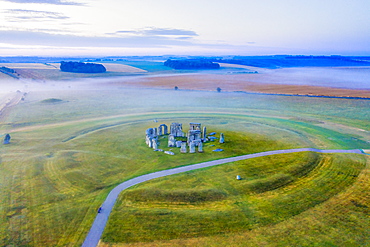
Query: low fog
pixel 341 77
pixel 94 98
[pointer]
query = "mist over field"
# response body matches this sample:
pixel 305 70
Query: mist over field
pixel 85 98
pixel 342 77
pixel 74 140
pixel 285 84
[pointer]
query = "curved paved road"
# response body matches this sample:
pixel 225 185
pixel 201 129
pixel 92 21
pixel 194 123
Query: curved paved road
pixel 101 219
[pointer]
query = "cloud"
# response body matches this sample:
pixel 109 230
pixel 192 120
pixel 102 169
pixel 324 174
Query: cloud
pixel 170 32
pixel 55 2
pixel 22 14
pixel 65 40
pixel 183 38
pixel 51 41
pixel 153 31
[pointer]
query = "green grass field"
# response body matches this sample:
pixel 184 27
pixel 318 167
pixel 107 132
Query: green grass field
pixel 65 157
pixel 213 202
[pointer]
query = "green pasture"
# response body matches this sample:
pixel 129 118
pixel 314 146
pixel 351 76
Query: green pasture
pixel 212 202
pixel 56 177
pixel 67 154
pixel 335 197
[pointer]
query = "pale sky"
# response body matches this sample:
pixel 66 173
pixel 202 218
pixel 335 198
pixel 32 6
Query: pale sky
pixel 184 27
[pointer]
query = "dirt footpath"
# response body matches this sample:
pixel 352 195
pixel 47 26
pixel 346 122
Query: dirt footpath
pixel 7 101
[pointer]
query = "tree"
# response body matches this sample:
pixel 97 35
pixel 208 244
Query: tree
pixel 176 87
pixel 218 89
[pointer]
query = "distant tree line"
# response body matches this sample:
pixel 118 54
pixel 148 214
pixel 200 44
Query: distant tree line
pixel 9 70
pixel 78 67
pixel 286 61
pixel 191 64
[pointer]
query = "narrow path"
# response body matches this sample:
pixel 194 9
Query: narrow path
pixel 101 219
pixel 9 101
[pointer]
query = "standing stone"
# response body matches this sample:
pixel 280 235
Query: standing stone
pixel 176 130
pixel 150 131
pixel 7 139
pixel 204 136
pixel 147 140
pixel 222 138
pixel 192 147
pixel 194 135
pixel 178 144
pixel 155 132
pixel 171 141
pixel 183 148
pixel 200 147
pixel 155 144
pixel 165 129
pixel 160 130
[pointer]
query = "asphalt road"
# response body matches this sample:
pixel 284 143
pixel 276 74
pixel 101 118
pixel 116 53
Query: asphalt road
pixel 101 219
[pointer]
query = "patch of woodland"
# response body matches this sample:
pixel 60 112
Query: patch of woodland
pixel 78 67
pixel 191 64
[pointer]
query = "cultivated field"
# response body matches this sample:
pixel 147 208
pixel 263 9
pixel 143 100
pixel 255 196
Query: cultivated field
pixel 51 71
pixel 114 67
pixel 322 81
pixel 73 141
pixel 240 82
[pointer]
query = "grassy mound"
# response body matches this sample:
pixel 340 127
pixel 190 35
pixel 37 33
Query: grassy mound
pixel 55 177
pixel 268 195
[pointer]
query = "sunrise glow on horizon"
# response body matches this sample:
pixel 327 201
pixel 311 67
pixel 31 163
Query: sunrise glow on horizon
pixel 219 27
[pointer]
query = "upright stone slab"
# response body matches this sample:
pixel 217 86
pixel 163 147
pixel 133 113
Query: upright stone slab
pixel 150 142
pixel 183 148
pixel 150 131
pixel 155 144
pixel 165 129
pixel 200 147
pixel 155 132
pixel 192 147
pixel 160 131
pixel 7 139
pixel 178 144
pixel 194 135
pixel 147 140
pixel 171 141
pixel 204 134
pixel 222 138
